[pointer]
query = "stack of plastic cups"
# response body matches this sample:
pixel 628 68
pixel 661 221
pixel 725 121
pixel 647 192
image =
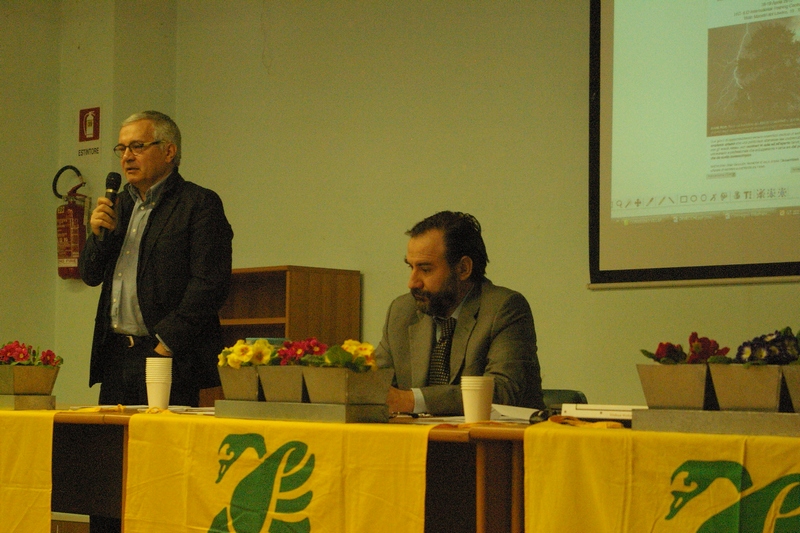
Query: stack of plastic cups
pixel 158 376
pixel 476 393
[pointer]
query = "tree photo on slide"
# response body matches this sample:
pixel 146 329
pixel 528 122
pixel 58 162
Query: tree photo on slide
pixel 768 75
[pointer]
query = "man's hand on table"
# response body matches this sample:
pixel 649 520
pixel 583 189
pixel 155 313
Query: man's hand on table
pixel 400 401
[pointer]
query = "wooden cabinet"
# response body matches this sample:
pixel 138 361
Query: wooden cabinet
pixel 293 302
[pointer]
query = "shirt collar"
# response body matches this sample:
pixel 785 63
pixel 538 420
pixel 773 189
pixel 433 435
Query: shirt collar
pixel 152 194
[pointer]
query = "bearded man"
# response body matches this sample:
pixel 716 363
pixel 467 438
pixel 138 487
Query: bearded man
pixel 455 322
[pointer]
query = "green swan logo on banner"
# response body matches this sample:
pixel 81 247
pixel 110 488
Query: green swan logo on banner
pixel 274 487
pixel 773 508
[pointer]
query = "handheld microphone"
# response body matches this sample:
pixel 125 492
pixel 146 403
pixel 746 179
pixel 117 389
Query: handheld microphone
pixel 113 181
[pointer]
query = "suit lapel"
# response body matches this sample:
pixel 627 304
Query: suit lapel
pixel 420 335
pixel 464 326
pixel 158 218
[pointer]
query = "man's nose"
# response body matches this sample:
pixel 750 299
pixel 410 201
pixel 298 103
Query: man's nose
pixel 413 281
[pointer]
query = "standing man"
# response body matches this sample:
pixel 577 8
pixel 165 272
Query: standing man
pixel 163 255
pixel 492 327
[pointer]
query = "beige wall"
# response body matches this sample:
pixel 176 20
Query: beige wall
pixel 329 128
pixel 29 86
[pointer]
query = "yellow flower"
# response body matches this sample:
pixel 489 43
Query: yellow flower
pixel 243 351
pixel 360 349
pixel 239 353
pixel 357 348
pixel 234 361
pixel 350 345
pixel 262 351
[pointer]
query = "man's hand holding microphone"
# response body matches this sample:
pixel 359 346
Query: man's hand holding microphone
pixel 104 217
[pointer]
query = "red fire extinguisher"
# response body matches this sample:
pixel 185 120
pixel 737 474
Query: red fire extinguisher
pixel 70 226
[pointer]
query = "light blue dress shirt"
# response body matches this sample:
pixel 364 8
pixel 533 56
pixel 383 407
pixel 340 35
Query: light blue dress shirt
pixel 126 317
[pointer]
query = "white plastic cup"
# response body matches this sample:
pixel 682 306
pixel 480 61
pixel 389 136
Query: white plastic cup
pixel 476 394
pixel 158 366
pixel 158 377
pixel 158 394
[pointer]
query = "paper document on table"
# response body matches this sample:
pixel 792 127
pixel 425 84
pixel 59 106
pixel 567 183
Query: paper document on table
pixel 589 411
pixel 500 413
pixel 509 413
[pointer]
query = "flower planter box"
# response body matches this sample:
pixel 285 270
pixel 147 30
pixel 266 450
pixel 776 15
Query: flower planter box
pixel 791 376
pixel 27 387
pixel 239 383
pixel 747 388
pixel 344 386
pixel 21 379
pixel 676 386
pixel 282 383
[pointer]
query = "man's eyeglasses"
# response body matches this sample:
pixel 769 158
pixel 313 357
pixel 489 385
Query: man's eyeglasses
pixel 136 147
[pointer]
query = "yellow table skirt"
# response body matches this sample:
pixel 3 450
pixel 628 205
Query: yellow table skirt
pixel 195 473
pixel 612 480
pixel 26 440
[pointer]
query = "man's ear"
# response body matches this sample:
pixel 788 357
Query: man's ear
pixel 464 268
pixel 172 151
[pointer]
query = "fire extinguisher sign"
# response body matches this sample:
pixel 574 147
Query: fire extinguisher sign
pixel 89 125
pixel 89 130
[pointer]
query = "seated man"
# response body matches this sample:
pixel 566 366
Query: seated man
pixel 492 327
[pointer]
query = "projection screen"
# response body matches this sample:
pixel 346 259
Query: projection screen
pixel 694 140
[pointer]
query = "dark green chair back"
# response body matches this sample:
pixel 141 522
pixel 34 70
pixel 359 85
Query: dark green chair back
pixel 553 398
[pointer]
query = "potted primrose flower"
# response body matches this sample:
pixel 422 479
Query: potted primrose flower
pixel 681 380
pixel 28 375
pixel 753 379
pixel 237 368
pixel 282 376
pixel 347 374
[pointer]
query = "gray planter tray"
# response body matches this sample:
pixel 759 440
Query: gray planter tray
pixel 717 422
pixel 308 412
pixel 22 402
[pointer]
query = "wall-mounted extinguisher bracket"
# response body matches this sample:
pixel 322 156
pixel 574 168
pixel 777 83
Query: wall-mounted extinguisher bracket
pixel 74 189
pixel 70 225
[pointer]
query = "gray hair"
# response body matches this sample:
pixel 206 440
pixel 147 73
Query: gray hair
pixel 164 129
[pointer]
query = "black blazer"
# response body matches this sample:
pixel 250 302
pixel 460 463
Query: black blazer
pixel 183 277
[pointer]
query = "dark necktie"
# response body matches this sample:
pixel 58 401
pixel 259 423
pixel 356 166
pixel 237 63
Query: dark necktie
pixel 439 371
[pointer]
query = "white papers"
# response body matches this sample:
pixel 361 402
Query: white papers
pixel 509 413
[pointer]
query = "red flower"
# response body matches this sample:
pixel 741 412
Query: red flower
pixel 48 358
pixel 667 350
pixel 293 351
pixel 24 354
pixel 15 352
pixel 702 348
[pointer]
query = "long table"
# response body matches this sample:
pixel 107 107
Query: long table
pixel 539 479
pixel 474 474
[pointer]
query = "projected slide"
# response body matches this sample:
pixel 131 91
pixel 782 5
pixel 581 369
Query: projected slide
pixel 694 140
pixel 706 110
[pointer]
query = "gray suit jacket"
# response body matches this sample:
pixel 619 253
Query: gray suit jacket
pixel 494 335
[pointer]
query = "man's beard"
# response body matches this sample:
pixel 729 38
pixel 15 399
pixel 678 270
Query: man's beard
pixel 438 303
